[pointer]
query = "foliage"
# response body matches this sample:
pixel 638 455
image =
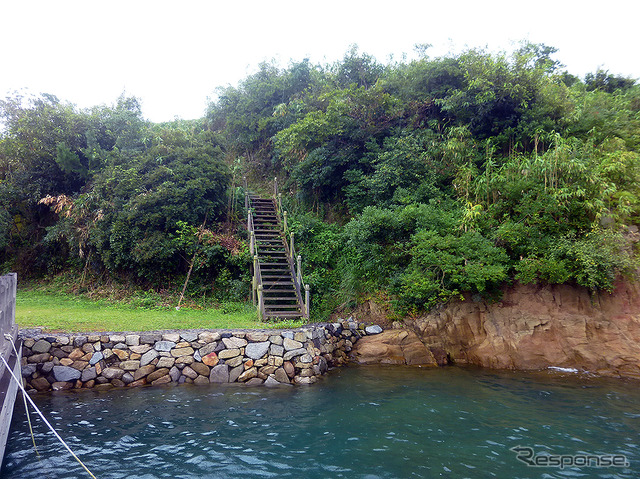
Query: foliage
pixel 425 179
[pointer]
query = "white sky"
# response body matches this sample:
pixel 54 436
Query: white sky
pixel 173 54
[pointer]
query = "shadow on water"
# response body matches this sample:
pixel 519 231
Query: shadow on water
pixel 358 422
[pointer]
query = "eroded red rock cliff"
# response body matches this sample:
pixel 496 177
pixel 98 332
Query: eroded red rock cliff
pixel 536 327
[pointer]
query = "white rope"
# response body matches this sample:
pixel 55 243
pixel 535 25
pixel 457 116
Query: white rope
pixel 24 396
pixel 42 416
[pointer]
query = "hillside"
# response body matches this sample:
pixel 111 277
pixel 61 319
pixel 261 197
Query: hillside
pixel 411 183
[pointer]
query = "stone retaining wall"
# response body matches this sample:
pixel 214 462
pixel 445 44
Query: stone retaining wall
pixel 105 360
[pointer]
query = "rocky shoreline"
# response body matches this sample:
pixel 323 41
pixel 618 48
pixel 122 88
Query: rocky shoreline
pixel 253 357
pixel 533 327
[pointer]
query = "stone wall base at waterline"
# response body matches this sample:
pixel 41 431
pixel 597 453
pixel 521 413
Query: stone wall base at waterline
pixel 105 360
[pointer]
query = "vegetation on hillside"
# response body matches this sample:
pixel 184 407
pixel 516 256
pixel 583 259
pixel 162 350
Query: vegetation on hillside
pixel 414 181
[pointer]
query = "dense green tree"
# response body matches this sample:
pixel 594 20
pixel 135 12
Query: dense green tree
pixel 427 179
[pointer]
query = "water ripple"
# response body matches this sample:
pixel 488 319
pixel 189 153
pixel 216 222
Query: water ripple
pixel 358 423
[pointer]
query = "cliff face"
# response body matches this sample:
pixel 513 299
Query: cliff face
pixel 536 327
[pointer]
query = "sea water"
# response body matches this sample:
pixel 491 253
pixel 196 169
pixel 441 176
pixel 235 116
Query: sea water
pixel 357 422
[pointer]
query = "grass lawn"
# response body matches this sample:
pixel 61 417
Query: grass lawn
pixel 67 313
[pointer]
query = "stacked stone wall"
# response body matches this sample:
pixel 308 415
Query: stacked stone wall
pixel 253 357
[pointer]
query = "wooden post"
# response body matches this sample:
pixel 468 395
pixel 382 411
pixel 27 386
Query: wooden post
pixel 285 227
pixel 254 287
pixel 279 202
pixel 260 303
pixel 299 275
pixel 275 188
pixel 246 193
pixel 248 220
pixel 291 245
pixel 307 294
pixel 252 244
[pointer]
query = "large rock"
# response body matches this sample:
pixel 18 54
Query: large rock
pixel 40 384
pixel 234 342
pixel 143 371
pixel 235 373
pixel 66 373
pixel 536 327
pixel 171 337
pixel 289 369
pixel 157 374
pixel 96 357
pixel 190 373
pixel 229 353
pixel 164 345
pixel 293 353
pixel 207 349
pixel 88 374
pixel 150 338
pixel 256 350
pixel 373 329
pixel 28 370
pixel 211 359
pixel 281 376
pixel 257 336
pixel 201 369
pixel 131 365
pixel 164 362
pixel 208 336
pixel 248 374
pixel 141 349
pixel 290 344
pixel 38 358
pixel 178 352
pixel 112 373
pixel 174 373
pixel 148 356
pixel 41 346
pixel 393 347
pixel 188 336
pixel 276 350
pixel 219 374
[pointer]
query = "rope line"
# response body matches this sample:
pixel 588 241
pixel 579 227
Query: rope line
pixel 42 415
pixel 24 397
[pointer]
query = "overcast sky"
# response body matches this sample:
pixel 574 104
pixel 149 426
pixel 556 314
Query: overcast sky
pixel 173 54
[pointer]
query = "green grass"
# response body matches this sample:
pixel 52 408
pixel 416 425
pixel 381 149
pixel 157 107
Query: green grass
pixel 68 314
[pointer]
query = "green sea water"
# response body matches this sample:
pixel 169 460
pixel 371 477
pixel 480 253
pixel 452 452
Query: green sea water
pixel 357 422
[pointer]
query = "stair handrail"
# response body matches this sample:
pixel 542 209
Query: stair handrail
pixel 257 287
pixel 295 261
pixel 246 193
pixel 257 275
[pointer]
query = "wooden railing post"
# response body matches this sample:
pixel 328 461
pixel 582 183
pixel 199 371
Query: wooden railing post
pixel 254 287
pixel 275 188
pixel 284 221
pixel 307 295
pixel 291 250
pixel 252 243
pixel 299 274
pixel 260 303
pixel 246 193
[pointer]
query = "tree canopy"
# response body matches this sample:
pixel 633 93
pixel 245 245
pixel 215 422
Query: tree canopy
pixel 417 180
